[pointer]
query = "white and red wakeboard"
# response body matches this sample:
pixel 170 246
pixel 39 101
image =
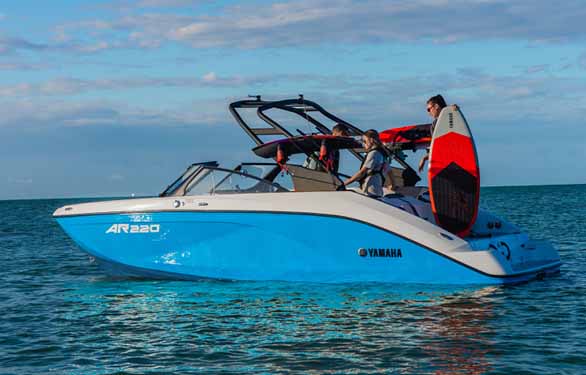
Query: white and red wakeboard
pixel 454 174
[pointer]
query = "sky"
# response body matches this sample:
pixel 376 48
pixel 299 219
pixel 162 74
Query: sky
pixel 118 97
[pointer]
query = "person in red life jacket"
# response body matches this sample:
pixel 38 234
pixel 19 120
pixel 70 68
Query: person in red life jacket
pixel 339 130
pixel 312 161
pixel 373 168
pixel 435 104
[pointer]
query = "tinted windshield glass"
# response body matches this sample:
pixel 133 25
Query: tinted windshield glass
pixel 270 172
pixel 257 170
pixel 181 179
pixel 217 181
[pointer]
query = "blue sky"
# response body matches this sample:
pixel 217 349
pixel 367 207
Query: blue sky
pixel 117 97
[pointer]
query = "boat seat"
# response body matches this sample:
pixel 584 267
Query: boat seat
pixel 394 177
pixel 305 179
pixel 408 191
pixel 398 178
pixel 411 191
pixel 411 205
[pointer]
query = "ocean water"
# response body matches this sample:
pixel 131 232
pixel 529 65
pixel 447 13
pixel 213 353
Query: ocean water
pixel 60 314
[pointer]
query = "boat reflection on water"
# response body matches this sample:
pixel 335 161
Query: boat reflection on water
pixel 275 327
pixel 459 333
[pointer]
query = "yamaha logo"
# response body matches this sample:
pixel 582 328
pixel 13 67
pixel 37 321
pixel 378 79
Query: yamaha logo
pixel 380 253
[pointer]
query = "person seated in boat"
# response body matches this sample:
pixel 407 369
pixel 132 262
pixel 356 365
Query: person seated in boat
pixel 371 174
pixel 435 104
pixel 313 162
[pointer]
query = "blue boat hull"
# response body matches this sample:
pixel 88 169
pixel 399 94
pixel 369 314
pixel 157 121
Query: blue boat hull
pixel 264 246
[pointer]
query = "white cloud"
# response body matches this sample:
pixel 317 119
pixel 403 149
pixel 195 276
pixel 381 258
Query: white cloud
pixel 42 112
pixel 98 46
pixel 72 86
pixel 209 77
pixel 313 22
pixel 537 68
pixel 167 3
pixel 128 5
pixel 366 101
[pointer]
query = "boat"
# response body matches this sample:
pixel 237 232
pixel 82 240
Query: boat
pixel 280 220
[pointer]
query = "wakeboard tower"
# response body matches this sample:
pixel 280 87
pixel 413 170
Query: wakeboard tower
pixel 454 174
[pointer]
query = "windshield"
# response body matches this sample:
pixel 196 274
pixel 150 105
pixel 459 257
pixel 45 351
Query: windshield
pixel 212 181
pixel 258 170
pixel 188 173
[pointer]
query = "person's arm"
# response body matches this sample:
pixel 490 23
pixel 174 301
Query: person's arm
pixel 357 176
pixel 422 162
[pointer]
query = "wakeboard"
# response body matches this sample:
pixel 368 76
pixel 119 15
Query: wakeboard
pixel 411 137
pixel 454 174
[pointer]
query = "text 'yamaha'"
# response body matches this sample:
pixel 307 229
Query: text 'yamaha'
pixel 380 253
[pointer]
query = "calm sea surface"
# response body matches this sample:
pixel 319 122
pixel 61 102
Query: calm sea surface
pixel 60 314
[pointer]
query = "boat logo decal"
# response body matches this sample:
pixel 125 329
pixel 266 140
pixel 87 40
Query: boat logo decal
pixel 131 228
pixel 380 252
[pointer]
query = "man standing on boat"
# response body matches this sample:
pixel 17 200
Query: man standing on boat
pixel 435 104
